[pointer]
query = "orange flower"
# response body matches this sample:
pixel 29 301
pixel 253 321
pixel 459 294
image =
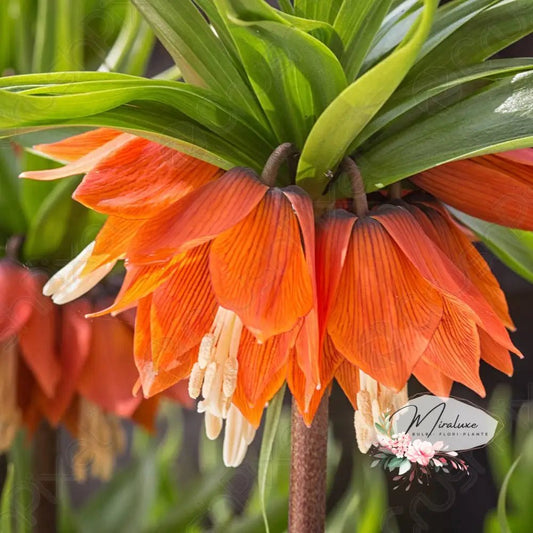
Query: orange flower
pixel 497 188
pixel 57 365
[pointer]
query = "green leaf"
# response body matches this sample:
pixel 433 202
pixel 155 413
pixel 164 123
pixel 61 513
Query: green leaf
pixel 294 75
pixel 317 10
pixel 6 516
pixel 347 115
pixel 11 214
pixel 502 512
pixel 512 246
pixel 358 23
pixel 49 224
pixel 494 119
pixel 403 101
pixel 488 32
pixel 271 428
pixel 199 54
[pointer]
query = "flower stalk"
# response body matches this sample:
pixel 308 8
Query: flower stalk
pixel 307 497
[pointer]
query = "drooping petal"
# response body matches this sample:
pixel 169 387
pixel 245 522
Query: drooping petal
pixel 456 245
pixel 347 375
pixel 523 156
pixel 432 378
pixel 73 353
pixel 439 270
pixel 198 217
pixel 259 270
pixel 495 354
pixel 18 293
pixel 455 349
pixel 82 165
pixel 260 363
pixel 183 308
pixel 38 342
pixel 481 191
pixel 109 374
pixel 385 313
pixel 141 178
pixel 154 381
pixel 73 148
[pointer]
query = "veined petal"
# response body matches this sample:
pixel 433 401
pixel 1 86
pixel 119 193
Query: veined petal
pixel 523 156
pixel 82 165
pixel 432 378
pixel 455 349
pixel 385 312
pixel 439 270
pixel 109 373
pixel 456 245
pixel 154 381
pixel 496 355
pixel 38 343
pixel 70 282
pixel 183 308
pixel 74 148
pixel 18 293
pixel 73 353
pixel 259 270
pixel 347 376
pixel 481 191
pixel 260 363
pixel 141 178
pixel 198 217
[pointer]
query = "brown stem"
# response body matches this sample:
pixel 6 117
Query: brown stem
pixel 13 245
pixel 395 191
pixel 277 158
pixel 307 498
pixel 360 202
pixel 44 479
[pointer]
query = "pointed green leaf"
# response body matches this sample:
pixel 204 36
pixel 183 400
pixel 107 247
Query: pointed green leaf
pixel 512 246
pixel 502 511
pixel 11 216
pixel 269 434
pixel 495 119
pixel 317 9
pixel 6 515
pixel 347 115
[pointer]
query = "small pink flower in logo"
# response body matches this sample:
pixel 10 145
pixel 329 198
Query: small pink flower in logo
pixel 420 452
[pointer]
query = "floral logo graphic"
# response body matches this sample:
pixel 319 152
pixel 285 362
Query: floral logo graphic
pixel 415 460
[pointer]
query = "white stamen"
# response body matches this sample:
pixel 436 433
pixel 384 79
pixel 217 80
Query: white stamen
pixel 70 283
pixel 213 426
pixel 373 401
pixel 195 381
pixel 231 367
pixel 238 434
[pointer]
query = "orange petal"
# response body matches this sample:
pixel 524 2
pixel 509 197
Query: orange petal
pixel 481 191
pixel 82 165
pixel 432 378
pixel 439 270
pixel 183 308
pixel 464 255
pixel 495 354
pixel 329 362
pixel 523 156
pixel 38 342
pixel 454 349
pixel 198 217
pixel 146 413
pixel 141 178
pixel 18 292
pixel 333 237
pixel 347 375
pixel 153 381
pixel 73 353
pixel 76 147
pixel 109 373
pixel 385 313
pixel 259 270
pixel 253 413
pixel 260 363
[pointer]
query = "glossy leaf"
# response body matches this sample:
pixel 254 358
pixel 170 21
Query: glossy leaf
pixel 317 10
pixel 512 246
pixel 286 67
pixel 347 115
pixel 269 434
pixel 492 120
pixel 200 55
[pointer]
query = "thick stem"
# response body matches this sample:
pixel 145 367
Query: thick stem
pixel 44 479
pixel 281 154
pixel 307 499
pixel 360 203
pixel 395 191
